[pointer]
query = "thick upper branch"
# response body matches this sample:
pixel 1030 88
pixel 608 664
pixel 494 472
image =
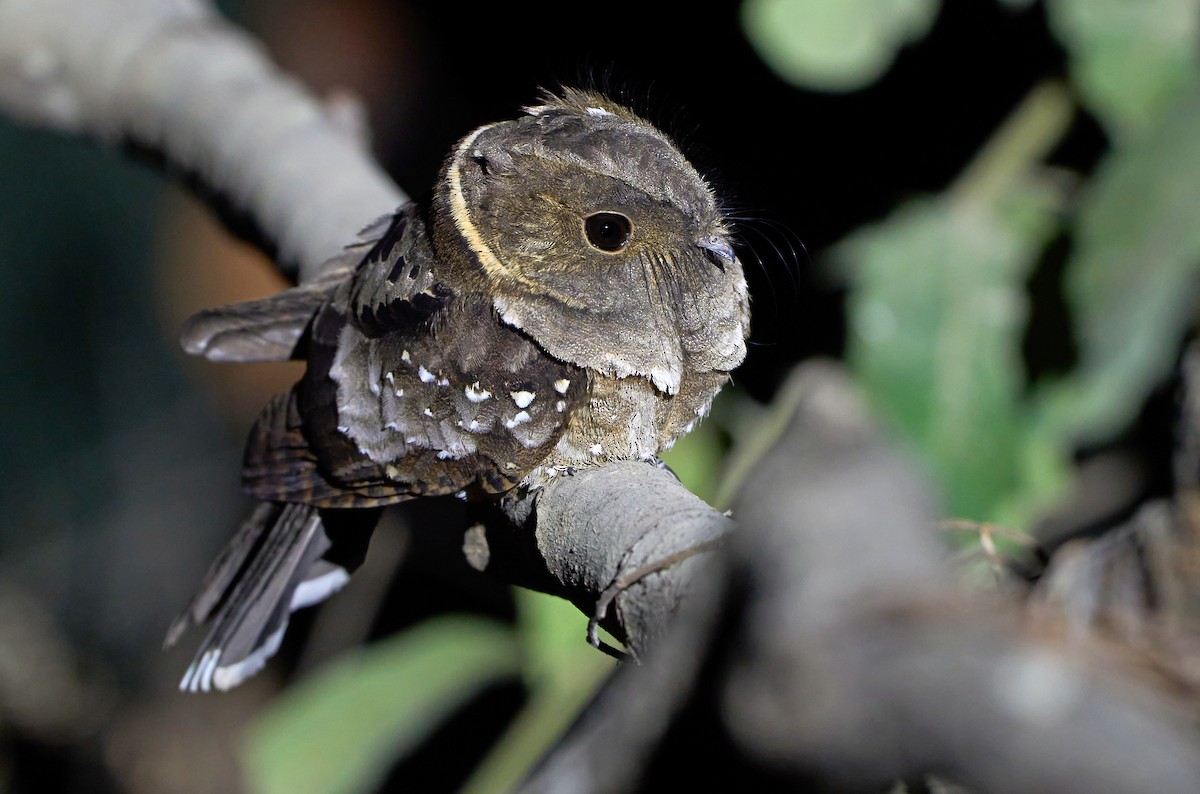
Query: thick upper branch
pixel 177 80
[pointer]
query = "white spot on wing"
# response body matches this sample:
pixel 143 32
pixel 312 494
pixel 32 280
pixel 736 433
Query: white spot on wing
pixel 428 412
pixel 560 406
pixel 405 357
pixel 595 449
pixel 425 375
pixel 562 385
pixel 520 419
pixel 476 393
pixel 522 398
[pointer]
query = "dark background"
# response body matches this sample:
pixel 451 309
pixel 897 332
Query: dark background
pixel 119 458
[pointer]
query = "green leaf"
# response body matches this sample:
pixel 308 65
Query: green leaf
pixel 562 673
pixel 1131 279
pixel 554 636
pixel 339 731
pixel 938 312
pixel 834 45
pixel 1129 58
pixel 936 320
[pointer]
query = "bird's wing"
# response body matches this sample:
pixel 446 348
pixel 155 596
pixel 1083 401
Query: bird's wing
pixel 465 404
pixel 272 328
pixel 411 390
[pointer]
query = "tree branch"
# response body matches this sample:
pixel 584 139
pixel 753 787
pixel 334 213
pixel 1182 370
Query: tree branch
pixel 627 532
pixel 176 80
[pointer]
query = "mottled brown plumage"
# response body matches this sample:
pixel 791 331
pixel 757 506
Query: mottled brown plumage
pixel 568 297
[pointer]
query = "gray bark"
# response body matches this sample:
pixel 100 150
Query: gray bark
pixel 177 80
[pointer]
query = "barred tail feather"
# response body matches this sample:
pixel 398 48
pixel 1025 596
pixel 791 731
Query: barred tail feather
pixel 282 559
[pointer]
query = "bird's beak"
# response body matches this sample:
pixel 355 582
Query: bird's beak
pixel 718 250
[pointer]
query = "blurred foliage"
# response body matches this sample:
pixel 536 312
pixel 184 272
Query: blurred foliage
pixel 1131 281
pixel 938 307
pixel 834 45
pixel 341 730
pixel 1129 61
pixel 561 673
pixel 937 312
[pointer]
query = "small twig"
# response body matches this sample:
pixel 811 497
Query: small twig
pixel 981 527
pixel 626 580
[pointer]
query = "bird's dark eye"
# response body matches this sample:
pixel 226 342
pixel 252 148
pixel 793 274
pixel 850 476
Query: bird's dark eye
pixel 608 231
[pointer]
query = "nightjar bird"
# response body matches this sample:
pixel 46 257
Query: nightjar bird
pixel 568 296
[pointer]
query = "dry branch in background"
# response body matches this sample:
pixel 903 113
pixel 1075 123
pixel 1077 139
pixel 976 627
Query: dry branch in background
pixel 830 636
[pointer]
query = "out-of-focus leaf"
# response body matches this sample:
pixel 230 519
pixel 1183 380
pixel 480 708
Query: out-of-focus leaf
pixel 936 317
pixel 1129 58
pixel 554 635
pixel 938 312
pixel 562 673
pixel 834 45
pixel 340 730
pixel 1131 280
